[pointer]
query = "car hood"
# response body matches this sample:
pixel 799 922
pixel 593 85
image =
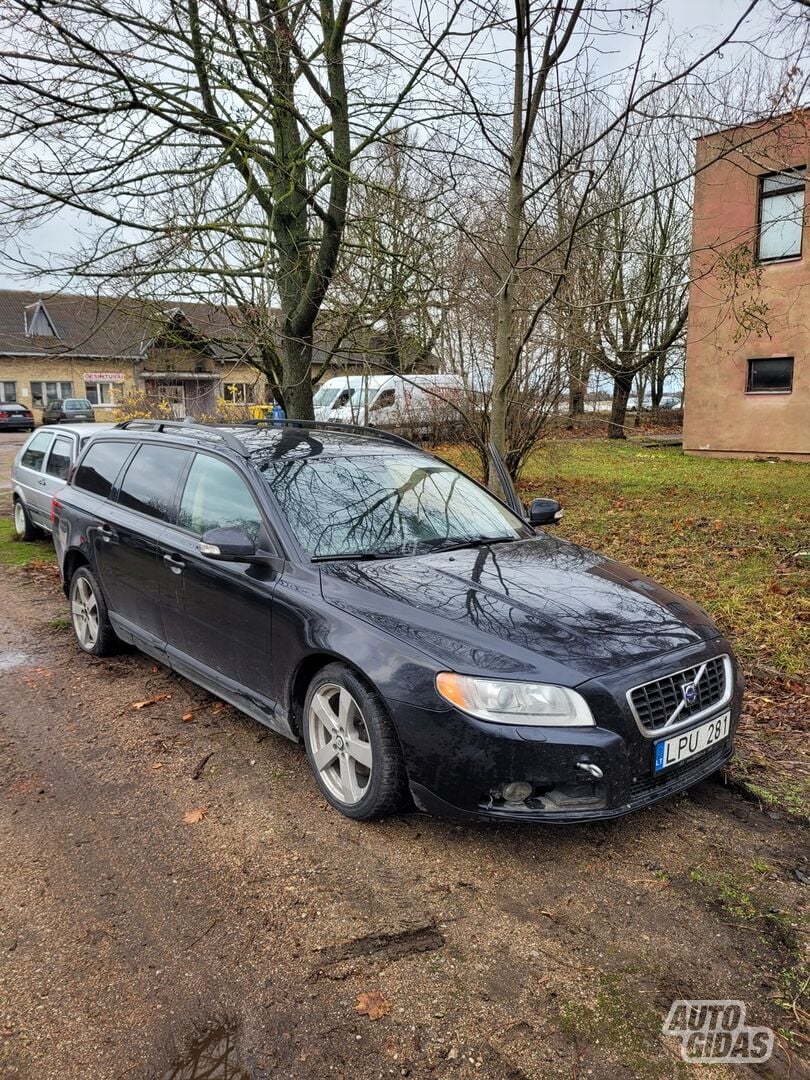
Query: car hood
pixel 540 607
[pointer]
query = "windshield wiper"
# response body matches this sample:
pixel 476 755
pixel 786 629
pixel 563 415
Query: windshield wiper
pixel 454 543
pixel 359 556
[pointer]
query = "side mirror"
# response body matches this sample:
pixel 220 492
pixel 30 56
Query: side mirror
pixel 231 544
pixel 544 512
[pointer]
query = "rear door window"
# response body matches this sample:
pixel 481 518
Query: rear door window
pixel 100 466
pixel 151 479
pixel 34 455
pixel 60 457
pixel 216 497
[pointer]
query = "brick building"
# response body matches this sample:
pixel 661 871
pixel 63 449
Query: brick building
pixel 188 354
pixel 747 387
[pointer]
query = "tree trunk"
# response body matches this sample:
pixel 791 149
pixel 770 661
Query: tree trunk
pixel 622 385
pixel 297 388
pixel 502 368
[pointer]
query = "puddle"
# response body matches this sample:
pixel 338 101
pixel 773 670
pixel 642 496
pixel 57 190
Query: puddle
pixel 11 659
pixel 211 1057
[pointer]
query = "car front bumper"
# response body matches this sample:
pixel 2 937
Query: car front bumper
pixel 458 765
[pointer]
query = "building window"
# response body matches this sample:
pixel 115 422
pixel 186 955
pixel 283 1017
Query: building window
pixel 781 215
pixel 239 392
pixel 771 376
pixel 38 322
pixel 8 391
pixel 43 392
pixel 104 393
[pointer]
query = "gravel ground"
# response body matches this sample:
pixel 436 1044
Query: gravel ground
pixel 127 933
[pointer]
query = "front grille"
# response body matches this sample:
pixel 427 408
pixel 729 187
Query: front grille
pixel 655 703
pixel 678 777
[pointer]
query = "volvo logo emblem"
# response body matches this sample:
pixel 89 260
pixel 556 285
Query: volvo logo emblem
pixel 690 693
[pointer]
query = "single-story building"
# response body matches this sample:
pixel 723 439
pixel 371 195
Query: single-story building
pixel 188 354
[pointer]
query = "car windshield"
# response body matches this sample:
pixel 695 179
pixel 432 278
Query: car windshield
pixel 386 504
pixel 76 404
pixel 326 395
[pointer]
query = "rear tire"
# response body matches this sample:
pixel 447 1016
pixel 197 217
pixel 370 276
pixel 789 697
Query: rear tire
pixel 23 525
pixel 352 747
pixel 89 617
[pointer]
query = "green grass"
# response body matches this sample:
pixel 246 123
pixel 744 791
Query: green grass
pixel 14 552
pixel 721 532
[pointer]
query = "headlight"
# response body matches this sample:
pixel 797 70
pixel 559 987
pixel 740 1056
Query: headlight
pixel 515 703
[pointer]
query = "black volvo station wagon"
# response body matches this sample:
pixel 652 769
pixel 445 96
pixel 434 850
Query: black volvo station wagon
pixel 423 639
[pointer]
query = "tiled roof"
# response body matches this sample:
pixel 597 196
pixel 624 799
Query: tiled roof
pixel 106 327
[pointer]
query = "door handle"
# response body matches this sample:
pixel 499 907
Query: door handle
pixel 176 564
pixel 42 482
pixel 107 533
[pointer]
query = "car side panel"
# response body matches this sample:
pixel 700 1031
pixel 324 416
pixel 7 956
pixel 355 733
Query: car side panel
pixel 124 548
pixel 32 486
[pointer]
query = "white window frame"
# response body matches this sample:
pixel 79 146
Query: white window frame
pixel 107 393
pixel 784 191
pixel 13 400
pixel 44 397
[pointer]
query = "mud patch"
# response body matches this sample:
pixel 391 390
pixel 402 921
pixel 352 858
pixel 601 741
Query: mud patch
pixel 211 1057
pixel 13 658
pixel 338 961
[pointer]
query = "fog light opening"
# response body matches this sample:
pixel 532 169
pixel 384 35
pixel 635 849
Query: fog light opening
pixel 517 792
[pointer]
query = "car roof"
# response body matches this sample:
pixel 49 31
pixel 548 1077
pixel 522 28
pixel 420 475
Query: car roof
pixel 78 429
pixel 292 441
pixel 14 405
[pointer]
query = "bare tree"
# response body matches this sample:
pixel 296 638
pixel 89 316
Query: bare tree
pixel 206 139
pixel 555 74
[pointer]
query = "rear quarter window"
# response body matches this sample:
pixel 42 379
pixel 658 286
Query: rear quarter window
pixel 60 457
pixel 100 466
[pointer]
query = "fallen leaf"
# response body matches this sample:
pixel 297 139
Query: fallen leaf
pixel 150 701
pixel 157 764
pixel 373 1004
pixel 188 716
pixel 192 817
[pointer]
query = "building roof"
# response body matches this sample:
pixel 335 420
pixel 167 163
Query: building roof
pixel 66 323
pixel 46 324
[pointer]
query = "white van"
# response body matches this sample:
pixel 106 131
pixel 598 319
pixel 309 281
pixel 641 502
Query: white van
pixel 384 399
pixel 334 394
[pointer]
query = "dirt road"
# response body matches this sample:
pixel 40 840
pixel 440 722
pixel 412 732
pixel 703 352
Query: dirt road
pixel 127 933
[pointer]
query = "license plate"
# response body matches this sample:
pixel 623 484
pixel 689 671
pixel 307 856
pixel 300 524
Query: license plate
pixel 680 747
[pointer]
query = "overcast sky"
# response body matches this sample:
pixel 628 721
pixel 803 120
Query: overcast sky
pixel 697 22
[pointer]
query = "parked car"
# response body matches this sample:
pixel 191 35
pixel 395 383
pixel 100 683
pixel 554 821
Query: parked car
pixel 68 410
pixel 15 417
pixel 417 634
pixel 40 469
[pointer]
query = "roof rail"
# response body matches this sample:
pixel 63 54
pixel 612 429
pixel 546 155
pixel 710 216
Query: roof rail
pixel 185 427
pixel 332 425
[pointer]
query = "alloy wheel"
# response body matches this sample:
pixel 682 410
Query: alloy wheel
pixel 84 613
pixel 341 749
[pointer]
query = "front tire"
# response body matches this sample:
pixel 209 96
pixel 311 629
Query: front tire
pixel 352 747
pixel 23 525
pixel 88 615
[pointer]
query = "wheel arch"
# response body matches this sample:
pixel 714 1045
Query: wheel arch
pixel 306 672
pixel 72 561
